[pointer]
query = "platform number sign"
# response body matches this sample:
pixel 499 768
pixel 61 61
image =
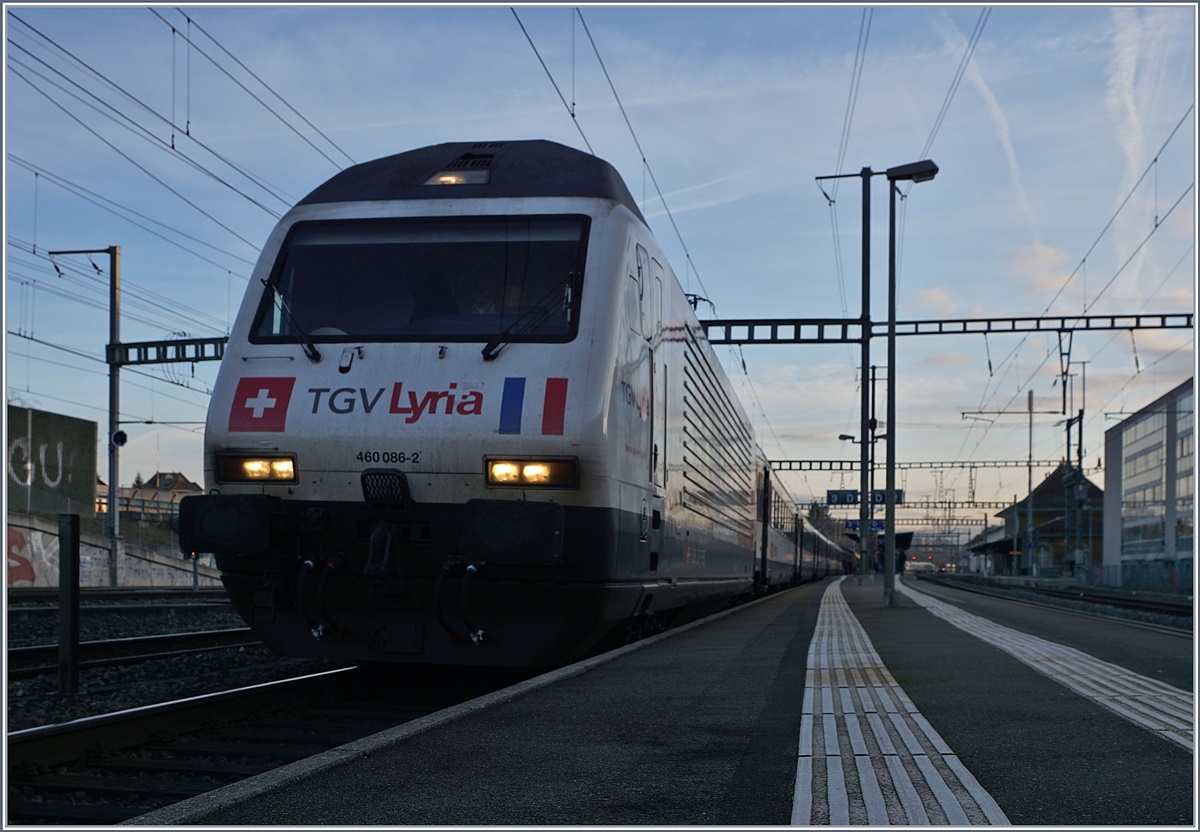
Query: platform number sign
pixel 876 525
pixel 838 497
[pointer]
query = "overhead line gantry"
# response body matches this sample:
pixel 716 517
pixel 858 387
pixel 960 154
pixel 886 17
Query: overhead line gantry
pixel 851 330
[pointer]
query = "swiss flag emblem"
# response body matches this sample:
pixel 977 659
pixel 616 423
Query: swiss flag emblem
pixel 261 404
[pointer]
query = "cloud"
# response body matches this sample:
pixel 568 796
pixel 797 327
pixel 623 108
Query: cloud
pixel 1041 268
pixel 957 44
pixel 944 359
pixel 938 301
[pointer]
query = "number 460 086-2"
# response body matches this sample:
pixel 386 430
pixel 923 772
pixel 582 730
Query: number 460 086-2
pixel 402 457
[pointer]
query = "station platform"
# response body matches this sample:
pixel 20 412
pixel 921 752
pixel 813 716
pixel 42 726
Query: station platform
pixel 816 706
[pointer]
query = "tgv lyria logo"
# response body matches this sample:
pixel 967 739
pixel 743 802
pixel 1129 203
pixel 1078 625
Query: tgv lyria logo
pixel 261 404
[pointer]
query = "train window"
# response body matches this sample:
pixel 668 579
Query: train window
pixel 426 279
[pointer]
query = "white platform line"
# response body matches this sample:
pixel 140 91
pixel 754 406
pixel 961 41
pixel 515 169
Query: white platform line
pixel 1154 705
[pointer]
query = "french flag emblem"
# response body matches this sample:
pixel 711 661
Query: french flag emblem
pixel 554 406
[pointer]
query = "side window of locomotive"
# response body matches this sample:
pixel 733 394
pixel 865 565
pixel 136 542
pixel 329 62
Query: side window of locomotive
pixel 656 297
pixel 644 292
pixel 420 279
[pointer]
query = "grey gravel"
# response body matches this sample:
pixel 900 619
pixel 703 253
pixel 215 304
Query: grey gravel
pixel 36 701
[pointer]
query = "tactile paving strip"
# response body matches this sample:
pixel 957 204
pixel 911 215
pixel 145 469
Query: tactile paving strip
pixel 866 754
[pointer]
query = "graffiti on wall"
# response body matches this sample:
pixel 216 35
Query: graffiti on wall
pixel 20 570
pixel 33 562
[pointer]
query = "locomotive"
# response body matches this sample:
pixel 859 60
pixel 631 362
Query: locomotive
pixel 467 416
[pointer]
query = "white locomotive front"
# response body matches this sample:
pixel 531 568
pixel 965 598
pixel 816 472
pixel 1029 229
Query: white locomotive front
pixel 466 416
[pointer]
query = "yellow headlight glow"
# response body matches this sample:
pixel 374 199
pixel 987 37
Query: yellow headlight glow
pixel 256 469
pixel 475 176
pixel 536 473
pixel 241 468
pixel 504 473
pixel 533 473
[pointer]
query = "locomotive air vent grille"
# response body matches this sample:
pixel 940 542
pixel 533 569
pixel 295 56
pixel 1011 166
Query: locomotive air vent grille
pixel 472 160
pixel 385 485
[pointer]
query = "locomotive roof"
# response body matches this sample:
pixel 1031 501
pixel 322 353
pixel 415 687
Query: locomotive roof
pixel 526 168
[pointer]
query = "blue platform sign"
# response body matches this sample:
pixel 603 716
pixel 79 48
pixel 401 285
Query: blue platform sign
pixel 876 525
pixel 841 497
pixel 879 496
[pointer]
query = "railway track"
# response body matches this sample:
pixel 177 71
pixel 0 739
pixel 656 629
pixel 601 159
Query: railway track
pixel 111 768
pixel 1181 608
pixel 30 595
pixel 44 658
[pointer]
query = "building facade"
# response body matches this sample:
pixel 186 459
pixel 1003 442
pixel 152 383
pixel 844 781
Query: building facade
pixel 1064 539
pixel 1149 487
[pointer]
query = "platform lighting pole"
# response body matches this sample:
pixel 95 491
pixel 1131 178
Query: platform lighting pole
pixel 864 461
pixel 116 437
pixel 914 172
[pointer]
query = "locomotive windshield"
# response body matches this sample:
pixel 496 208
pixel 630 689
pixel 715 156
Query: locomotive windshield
pixel 426 279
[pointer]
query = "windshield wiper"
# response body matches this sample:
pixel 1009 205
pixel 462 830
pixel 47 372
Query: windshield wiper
pixel 536 314
pixel 492 348
pixel 310 349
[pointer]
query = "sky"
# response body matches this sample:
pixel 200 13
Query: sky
pixel 1065 138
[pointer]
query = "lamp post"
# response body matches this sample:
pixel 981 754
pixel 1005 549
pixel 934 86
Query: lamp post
pixel 865 404
pixel 865 530
pixel 913 172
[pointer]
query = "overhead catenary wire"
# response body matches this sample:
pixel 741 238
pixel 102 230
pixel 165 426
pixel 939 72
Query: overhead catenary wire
pixel 248 92
pixel 139 131
pixel 553 83
pixel 131 124
pixel 963 63
pixel 645 162
pixel 85 355
pixel 116 208
pixel 136 297
pixel 192 22
pixel 989 393
pixel 104 374
pixel 864 33
pixel 131 160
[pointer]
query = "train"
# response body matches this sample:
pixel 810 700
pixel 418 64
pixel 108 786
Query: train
pixel 466 415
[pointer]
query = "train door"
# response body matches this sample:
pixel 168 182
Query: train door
pixel 650 287
pixel 658 472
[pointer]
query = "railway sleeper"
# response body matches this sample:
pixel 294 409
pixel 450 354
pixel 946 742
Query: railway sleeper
pixel 97 785
pixel 22 812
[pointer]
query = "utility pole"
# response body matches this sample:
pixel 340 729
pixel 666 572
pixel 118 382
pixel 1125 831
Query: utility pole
pixel 1029 499
pixel 116 437
pixel 865 459
pixel 1030 464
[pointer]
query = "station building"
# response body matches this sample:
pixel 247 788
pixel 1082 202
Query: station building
pixel 1149 487
pixel 1063 539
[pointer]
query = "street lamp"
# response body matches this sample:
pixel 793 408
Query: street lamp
pixel 913 172
pixel 864 411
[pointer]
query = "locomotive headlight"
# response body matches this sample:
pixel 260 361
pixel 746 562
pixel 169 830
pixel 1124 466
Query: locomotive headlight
pixel 473 176
pixel 242 468
pixel 533 473
pixel 503 473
